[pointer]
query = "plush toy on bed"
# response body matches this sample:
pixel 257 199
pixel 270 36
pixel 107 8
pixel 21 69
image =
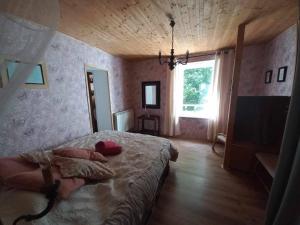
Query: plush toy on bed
pixel 108 148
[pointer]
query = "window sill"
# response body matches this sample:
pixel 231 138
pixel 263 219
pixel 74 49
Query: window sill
pixel 205 117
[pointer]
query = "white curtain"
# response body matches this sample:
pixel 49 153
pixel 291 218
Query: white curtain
pixel 219 101
pixel 174 98
pixel 215 100
pixel 23 40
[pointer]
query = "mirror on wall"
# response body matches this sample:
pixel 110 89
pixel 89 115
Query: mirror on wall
pixel 151 94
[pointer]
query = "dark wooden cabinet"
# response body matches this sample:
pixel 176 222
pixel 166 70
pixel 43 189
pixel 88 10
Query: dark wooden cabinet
pixel 259 127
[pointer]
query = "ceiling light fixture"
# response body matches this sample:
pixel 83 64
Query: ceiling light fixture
pixel 172 60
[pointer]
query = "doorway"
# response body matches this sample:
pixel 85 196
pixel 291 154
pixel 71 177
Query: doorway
pixel 98 95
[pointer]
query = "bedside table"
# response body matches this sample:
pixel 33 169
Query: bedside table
pixel 149 124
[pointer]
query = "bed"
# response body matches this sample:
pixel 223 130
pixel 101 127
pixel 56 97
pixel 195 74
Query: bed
pixel 125 199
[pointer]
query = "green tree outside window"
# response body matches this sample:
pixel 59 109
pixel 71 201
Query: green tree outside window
pixel 196 86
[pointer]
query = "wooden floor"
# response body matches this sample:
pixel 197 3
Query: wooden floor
pixel 198 191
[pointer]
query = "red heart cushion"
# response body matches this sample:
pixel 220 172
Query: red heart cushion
pixel 108 148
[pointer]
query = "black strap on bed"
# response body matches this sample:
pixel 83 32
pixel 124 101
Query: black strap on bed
pixel 51 194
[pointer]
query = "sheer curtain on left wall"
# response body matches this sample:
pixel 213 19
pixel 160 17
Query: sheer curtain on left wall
pixel 26 29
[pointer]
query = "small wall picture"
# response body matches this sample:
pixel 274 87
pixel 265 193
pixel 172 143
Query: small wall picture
pixel 268 76
pixel 37 78
pixel 281 77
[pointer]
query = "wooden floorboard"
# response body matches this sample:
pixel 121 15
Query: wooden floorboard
pixel 198 191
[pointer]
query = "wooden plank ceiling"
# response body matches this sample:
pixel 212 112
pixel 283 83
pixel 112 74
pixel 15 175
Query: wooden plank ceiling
pixel 140 28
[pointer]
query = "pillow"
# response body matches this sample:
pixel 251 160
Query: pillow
pixel 34 181
pixel 10 166
pixel 93 170
pixel 38 157
pixel 108 148
pixel 81 153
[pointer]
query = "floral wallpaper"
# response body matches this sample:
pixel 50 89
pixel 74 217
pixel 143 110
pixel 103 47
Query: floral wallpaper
pixel 193 128
pixel 251 69
pixel 281 51
pixel 150 70
pixel 257 59
pixel 147 70
pixel 40 118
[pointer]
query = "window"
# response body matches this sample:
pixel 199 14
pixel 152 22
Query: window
pixel 196 89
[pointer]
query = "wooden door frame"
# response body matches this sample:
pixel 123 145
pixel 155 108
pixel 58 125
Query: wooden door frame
pixel 234 93
pixel 86 66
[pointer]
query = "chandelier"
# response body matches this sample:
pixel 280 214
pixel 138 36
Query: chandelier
pixel 172 60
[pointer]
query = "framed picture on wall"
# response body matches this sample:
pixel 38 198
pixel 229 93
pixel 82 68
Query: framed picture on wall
pixel 281 77
pixel 268 76
pixel 37 79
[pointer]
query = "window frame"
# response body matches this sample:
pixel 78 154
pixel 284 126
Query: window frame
pixel 193 65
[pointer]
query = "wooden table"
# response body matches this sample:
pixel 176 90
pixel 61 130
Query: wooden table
pixel 149 130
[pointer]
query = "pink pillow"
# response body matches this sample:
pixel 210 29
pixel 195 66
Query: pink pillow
pixel 10 166
pixel 81 153
pixel 34 181
pixel 108 148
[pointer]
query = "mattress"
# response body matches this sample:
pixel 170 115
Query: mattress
pixel 121 200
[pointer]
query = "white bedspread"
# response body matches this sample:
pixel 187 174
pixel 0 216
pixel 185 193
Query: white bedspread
pixel 120 200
